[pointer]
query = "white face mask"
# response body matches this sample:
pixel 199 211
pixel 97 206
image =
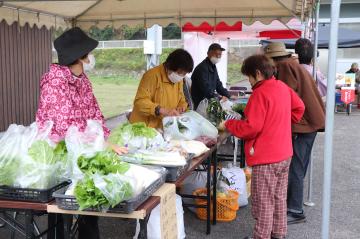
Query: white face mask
pixel 175 78
pixel 89 66
pixel 215 60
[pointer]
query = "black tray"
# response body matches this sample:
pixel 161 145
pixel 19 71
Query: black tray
pixel 175 172
pixel 29 194
pixel 68 202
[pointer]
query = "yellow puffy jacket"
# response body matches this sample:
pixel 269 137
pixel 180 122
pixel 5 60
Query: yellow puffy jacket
pixel 155 89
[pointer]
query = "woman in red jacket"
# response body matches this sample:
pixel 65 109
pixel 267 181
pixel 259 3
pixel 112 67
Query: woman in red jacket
pixel 266 128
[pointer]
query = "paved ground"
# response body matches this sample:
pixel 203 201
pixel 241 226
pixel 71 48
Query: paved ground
pixel 345 207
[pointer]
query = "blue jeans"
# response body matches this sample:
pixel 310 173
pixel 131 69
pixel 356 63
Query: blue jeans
pixel 302 146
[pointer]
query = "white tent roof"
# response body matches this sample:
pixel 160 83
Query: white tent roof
pixel 86 13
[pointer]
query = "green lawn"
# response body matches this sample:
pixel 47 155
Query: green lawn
pixel 114 94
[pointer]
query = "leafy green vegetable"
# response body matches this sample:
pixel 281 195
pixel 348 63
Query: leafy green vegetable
pixel 87 195
pixel 112 191
pixel 239 108
pixel 60 151
pixel 103 163
pixel 215 112
pixel 9 169
pixel 125 132
pixel 41 152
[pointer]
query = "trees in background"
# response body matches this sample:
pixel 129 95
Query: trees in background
pixel 172 31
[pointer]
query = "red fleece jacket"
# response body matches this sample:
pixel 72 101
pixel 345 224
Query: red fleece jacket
pixel 266 128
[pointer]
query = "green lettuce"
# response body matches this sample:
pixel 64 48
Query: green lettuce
pixel 121 134
pixel 104 162
pixel 87 195
pixel 112 191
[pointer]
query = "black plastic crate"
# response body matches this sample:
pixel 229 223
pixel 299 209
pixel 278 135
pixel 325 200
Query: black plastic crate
pixel 175 172
pixel 68 202
pixel 29 194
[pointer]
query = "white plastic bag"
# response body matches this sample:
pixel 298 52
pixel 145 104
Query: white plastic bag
pixel 27 159
pixel 202 108
pixel 153 226
pixel 196 180
pixel 188 126
pixel 115 187
pixel 86 143
pixel 237 179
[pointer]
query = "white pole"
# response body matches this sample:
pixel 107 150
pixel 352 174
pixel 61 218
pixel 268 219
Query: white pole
pixel 309 201
pixel 329 123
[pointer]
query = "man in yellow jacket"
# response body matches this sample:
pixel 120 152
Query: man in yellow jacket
pixel 160 92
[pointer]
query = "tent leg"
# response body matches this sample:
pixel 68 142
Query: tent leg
pixel 329 123
pixel 309 201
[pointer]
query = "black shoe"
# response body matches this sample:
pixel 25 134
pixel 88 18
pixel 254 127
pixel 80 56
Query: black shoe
pixel 293 218
pixel 248 237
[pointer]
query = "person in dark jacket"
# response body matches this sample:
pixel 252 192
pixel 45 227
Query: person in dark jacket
pixel 205 78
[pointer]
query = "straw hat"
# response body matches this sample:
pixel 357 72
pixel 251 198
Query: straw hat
pixel 276 49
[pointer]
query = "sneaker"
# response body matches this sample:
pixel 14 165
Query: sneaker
pixel 293 218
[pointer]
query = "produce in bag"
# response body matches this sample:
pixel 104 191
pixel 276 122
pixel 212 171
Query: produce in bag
pixel 194 147
pixel 188 126
pixel 44 168
pixel 155 158
pixel 215 112
pixel 29 159
pixel 103 185
pixel 87 144
pixel 136 136
pixel 102 191
pixel 104 162
pixel 143 177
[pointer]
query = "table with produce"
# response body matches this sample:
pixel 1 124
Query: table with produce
pixel 82 175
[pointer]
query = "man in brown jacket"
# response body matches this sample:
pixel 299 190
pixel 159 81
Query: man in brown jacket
pixel 304 132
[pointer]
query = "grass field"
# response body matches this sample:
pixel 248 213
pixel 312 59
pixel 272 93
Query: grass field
pixel 114 94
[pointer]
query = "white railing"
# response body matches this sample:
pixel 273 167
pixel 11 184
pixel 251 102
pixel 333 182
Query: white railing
pixel 168 44
pixel 136 44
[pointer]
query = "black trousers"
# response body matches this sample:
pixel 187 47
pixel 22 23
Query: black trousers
pixel 88 227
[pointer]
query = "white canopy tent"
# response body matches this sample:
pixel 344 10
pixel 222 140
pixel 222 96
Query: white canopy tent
pixel 87 13
pixel 101 13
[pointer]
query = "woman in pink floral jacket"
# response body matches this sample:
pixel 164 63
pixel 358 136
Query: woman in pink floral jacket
pixel 66 98
pixel 66 95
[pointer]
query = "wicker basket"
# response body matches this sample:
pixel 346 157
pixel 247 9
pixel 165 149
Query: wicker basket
pixel 226 207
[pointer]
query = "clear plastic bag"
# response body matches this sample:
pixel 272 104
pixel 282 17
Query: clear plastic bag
pixel 27 158
pixel 202 108
pixel 86 143
pixel 188 126
pixel 115 187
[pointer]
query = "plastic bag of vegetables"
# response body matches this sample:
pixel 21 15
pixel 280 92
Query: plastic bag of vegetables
pixel 188 126
pixel 136 136
pixel 29 159
pixel 86 143
pixel 43 167
pixel 103 191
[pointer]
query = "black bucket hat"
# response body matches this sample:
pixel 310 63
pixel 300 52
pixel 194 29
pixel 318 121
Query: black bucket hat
pixel 73 45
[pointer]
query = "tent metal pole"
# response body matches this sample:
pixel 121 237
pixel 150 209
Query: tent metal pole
pixel 329 123
pixel 309 201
